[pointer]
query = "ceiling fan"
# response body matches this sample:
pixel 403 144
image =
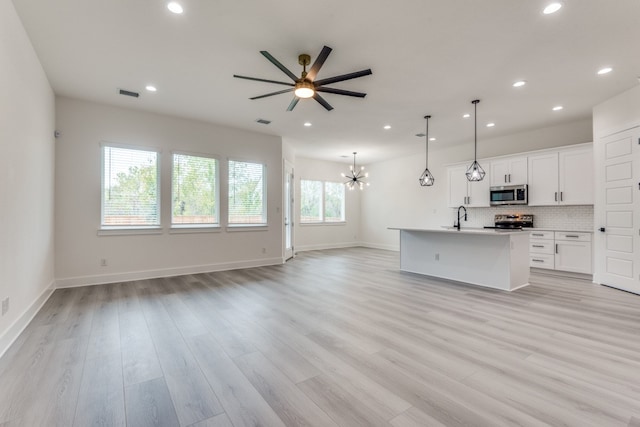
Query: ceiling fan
pixel 306 86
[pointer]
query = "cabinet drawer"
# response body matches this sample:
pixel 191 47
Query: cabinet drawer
pixel 541 235
pixel 574 237
pixel 542 261
pixel 541 246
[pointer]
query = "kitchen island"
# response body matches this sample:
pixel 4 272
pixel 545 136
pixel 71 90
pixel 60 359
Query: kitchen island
pixel 484 257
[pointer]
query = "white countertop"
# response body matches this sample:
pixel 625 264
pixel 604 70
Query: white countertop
pixel 463 230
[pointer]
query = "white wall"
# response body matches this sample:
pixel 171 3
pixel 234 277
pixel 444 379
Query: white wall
pixel 618 113
pixel 322 236
pixel 26 177
pixel 79 249
pixel 396 198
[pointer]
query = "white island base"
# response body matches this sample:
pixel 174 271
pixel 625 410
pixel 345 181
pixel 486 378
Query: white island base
pixel 494 259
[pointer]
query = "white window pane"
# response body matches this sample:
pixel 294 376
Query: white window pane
pixel 247 198
pixel 130 187
pixel 333 202
pixel 194 184
pixel 310 201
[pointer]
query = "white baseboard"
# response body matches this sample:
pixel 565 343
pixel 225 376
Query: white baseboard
pixel 23 320
pixel 395 248
pixel 72 282
pixel 304 248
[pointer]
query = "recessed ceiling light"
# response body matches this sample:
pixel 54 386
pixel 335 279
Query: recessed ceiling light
pixel 432 139
pixel 151 88
pixel 307 124
pixel 175 7
pixel 519 83
pixel 605 70
pixel 387 127
pixel 552 8
pixel 557 108
pixel 466 116
pixel 490 125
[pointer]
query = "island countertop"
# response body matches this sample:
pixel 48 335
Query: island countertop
pixel 486 257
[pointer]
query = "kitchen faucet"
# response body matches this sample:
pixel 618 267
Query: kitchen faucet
pixel 457 224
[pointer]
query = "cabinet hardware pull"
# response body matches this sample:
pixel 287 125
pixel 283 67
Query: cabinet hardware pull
pixel 575 236
pixel 602 229
pixel 538 246
pixel 505 178
pixel 556 248
pixel 561 196
pixel 537 234
pixel 537 260
pixel 556 196
pixel 509 177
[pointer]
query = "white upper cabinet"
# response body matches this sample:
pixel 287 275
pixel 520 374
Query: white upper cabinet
pixel 509 171
pixel 564 177
pixel 463 192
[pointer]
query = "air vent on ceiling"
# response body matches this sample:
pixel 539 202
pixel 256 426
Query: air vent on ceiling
pixel 420 135
pixel 129 93
pixel 263 121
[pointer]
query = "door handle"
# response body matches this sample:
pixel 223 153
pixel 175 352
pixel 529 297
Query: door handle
pixel 602 229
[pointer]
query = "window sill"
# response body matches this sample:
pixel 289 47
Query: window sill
pixel 247 227
pixel 193 228
pixel 129 231
pixel 311 224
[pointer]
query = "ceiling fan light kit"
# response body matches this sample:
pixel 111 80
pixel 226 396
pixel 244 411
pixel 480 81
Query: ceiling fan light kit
pixel 307 86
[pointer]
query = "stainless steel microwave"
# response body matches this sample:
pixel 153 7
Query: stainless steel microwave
pixel 509 195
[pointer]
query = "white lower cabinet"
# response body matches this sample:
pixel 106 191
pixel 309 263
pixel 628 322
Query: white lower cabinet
pixel 560 250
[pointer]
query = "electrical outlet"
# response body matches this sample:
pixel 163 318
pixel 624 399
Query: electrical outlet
pixel 103 262
pixel 5 305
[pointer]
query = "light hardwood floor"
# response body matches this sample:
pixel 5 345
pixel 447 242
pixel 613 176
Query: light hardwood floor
pixel 331 338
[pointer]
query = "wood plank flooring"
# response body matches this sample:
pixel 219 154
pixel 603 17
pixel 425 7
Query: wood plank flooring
pixel 331 338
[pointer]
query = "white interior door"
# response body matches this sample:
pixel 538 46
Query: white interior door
pixel 289 191
pixel 617 210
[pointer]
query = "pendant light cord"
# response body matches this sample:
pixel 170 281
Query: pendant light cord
pixel 426 161
pixel 475 126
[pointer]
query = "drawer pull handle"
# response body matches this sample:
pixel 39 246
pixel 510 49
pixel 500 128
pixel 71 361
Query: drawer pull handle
pixel 537 234
pixel 537 260
pixel 575 236
pixel 538 246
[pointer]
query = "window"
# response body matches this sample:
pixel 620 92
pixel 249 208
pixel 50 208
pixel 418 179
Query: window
pixel 194 190
pixel 247 193
pixel 130 187
pixel 321 202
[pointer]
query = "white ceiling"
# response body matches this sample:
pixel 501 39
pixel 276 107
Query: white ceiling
pixel 427 57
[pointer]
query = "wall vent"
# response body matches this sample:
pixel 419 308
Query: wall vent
pixel 263 121
pixel 129 93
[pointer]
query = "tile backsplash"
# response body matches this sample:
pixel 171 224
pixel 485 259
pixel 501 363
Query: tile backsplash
pixel 573 218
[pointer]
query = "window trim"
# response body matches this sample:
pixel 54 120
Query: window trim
pixel 235 226
pixel 178 228
pixel 130 229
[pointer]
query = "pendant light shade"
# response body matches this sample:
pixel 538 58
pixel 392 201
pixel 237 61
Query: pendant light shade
pixel 356 177
pixel 475 171
pixel 427 179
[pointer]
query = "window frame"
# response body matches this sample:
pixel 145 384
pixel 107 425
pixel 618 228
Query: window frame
pixel 249 225
pixel 323 203
pixel 194 227
pixel 106 229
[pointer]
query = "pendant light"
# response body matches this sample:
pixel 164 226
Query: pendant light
pixel 356 179
pixel 475 171
pixel 427 179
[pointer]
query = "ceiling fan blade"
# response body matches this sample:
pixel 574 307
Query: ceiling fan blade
pixel 293 104
pixel 322 102
pixel 263 80
pixel 273 93
pixel 341 92
pixel 275 62
pixel 324 53
pixel 343 77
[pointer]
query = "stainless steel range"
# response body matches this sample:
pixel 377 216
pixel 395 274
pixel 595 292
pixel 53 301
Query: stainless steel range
pixel 512 221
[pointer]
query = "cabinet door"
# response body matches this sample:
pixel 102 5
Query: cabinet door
pixel 478 193
pixel 573 256
pixel 457 186
pixel 543 179
pixel 499 172
pixel 518 171
pixel 576 181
